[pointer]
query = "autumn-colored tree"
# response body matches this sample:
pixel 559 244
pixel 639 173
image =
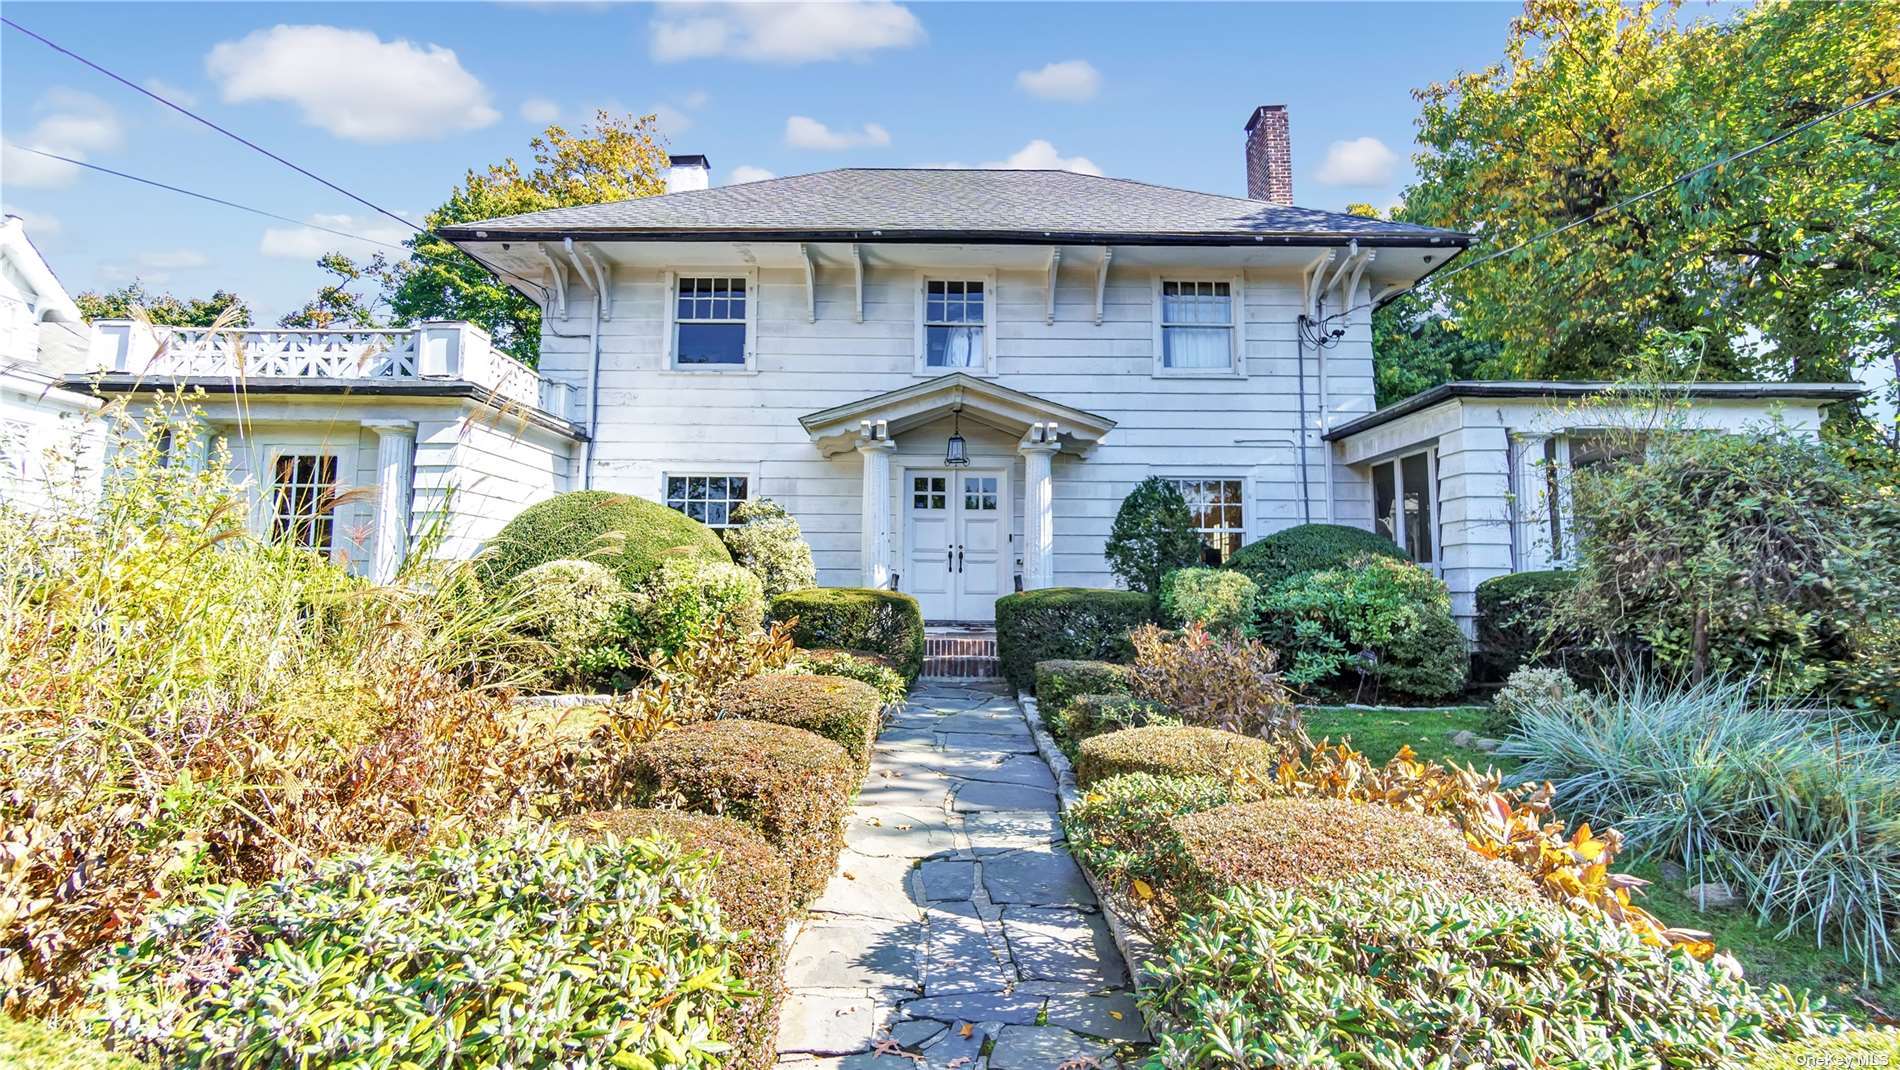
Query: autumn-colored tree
pixel 164 309
pixel 616 159
pixel 1788 260
pixel 335 304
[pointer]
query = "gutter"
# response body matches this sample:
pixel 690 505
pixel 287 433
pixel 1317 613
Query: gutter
pixel 1372 239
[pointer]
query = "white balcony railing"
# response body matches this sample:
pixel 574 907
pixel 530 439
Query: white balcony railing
pixel 433 351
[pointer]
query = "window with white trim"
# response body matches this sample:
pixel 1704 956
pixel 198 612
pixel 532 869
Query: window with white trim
pixel 1404 507
pixel 710 321
pixel 708 499
pixel 1197 325
pixel 303 500
pixel 1219 514
pixel 956 324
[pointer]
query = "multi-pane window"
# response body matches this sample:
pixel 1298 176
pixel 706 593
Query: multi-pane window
pixel 709 322
pixel 303 500
pixel 1216 508
pixel 1402 507
pixel 979 493
pixel 953 323
pixel 707 499
pixel 929 492
pixel 1197 325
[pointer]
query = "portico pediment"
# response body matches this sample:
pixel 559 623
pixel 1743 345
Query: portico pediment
pixel 893 412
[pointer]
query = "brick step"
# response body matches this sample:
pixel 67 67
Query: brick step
pixel 961 654
pixel 963 668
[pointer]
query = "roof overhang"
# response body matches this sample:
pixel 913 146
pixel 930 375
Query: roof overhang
pixel 890 414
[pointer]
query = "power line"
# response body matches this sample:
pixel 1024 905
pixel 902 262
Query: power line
pixel 208 197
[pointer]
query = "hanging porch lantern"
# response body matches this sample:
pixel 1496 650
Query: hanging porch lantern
pixel 955 452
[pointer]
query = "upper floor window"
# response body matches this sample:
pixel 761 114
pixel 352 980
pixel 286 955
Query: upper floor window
pixel 954 325
pixel 303 500
pixel 707 499
pixel 711 321
pixel 1196 324
pixel 1219 516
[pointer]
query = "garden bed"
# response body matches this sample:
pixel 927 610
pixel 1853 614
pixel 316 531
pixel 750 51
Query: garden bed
pixel 1379 731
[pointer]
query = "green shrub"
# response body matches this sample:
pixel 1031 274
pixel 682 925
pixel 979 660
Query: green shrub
pixel 1174 751
pixel 1061 680
pixel 1219 600
pixel 1724 554
pixel 580 611
pixel 753 888
pixel 1516 614
pixel 1874 1049
pixel 628 535
pixel 1091 715
pixel 29 1044
pixel 522 949
pixel 1375 973
pixel 793 786
pixel 857 618
pixel 1123 829
pixel 878 670
pixel 1074 623
pixel 1307 548
pixel 767 542
pixel 678 601
pixel 1792 806
pixel 1292 843
pixel 1527 690
pixel 844 711
pixel 1380 617
pixel 1153 535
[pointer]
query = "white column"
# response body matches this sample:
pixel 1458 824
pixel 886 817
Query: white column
pixel 1039 537
pixel 395 487
pixel 875 552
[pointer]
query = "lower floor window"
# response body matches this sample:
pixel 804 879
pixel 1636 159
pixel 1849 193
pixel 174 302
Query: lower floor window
pixel 707 499
pixel 303 500
pixel 1218 515
pixel 1402 508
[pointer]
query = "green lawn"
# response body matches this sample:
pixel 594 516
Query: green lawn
pixel 1379 734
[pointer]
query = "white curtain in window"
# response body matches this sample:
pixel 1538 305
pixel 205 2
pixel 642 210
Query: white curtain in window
pixel 961 347
pixel 1196 347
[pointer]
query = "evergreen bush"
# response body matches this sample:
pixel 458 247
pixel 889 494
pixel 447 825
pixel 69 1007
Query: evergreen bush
pixel 1308 548
pixel 628 535
pixel 857 618
pixel 1066 623
pixel 1376 620
pixel 1220 600
pixel 1153 534
pixel 766 541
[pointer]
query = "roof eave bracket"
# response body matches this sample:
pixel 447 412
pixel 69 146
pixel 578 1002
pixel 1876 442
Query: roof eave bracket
pixel 857 262
pixel 559 277
pixel 811 282
pixel 1049 294
pixel 1101 283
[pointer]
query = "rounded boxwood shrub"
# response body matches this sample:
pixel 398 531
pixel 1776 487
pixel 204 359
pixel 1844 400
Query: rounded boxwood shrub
pixel 525 948
pixel 30 1044
pixel 864 666
pixel 1308 548
pixel 580 612
pixel 753 887
pixel 628 535
pixel 1220 600
pixel 857 618
pixel 791 785
pixel 844 711
pixel 682 597
pixel 1060 680
pixel 1377 619
pixel 1076 623
pixel 1290 843
pixel 1515 615
pixel 1378 972
pixel 1166 750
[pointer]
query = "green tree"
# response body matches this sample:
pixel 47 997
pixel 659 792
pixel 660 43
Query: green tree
pixel 1790 260
pixel 335 304
pixel 616 159
pixel 164 309
pixel 1153 535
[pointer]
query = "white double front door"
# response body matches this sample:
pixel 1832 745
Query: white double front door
pixel 956 538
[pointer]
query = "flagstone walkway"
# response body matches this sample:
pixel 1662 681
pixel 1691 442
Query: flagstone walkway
pixel 957 934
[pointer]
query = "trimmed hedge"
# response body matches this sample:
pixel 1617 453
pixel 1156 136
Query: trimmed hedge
pixel 843 711
pixel 1167 750
pixel 753 888
pixel 793 786
pixel 857 618
pixel 1060 680
pixel 1123 829
pixel 1292 843
pixel 878 670
pixel 30 1044
pixel 1087 716
pixel 1219 600
pixel 1859 1048
pixel 1515 613
pixel 1308 548
pixel 628 535
pixel 1054 623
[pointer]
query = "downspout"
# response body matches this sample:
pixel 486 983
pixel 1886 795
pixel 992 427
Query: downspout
pixel 1325 399
pixel 593 368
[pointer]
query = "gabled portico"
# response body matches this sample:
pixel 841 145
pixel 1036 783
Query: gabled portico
pixel 970 541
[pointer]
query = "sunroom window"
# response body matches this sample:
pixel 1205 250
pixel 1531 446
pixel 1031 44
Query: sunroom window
pixel 1403 506
pixel 303 500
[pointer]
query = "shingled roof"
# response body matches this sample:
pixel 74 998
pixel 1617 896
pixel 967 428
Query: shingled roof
pixel 918 204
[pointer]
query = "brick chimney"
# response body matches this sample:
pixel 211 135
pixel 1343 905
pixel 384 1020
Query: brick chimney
pixel 1269 155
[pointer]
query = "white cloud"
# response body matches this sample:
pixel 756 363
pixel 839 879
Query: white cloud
pixel 1040 155
pixel 1363 161
pixel 540 110
pixel 745 172
pixel 176 94
pixel 803 132
pixel 1071 80
pixel 352 83
pixel 783 32
pixel 176 260
pixel 72 124
pixel 671 119
pixel 38 224
pixel 308 243
pixel 696 99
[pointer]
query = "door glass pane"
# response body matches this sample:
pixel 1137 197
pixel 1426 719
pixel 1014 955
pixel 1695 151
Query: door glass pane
pixel 1418 507
pixel 1384 488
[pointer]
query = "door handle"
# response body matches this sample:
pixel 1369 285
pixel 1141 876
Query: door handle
pixel 949 559
pixel 959 559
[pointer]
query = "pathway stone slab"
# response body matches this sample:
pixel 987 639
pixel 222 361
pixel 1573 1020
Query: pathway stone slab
pixel 977 722
pixel 857 953
pixel 975 1007
pixel 959 957
pixel 1044 1047
pixel 986 742
pixel 948 879
pixel 1023 770
pixel 978 795
pixel 873 886
pixel 1005 830
pixel 1112 1017
pixel 1055 944
pixel 906 832
pixel 825 1024
pixel 1036 876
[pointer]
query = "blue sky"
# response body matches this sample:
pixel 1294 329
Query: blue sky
pixel 396 101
